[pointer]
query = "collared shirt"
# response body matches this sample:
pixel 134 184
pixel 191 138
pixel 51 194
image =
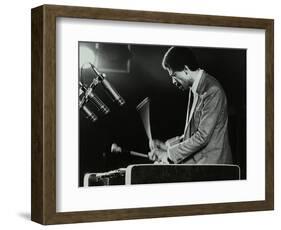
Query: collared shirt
pixel 196 81
pixel 193 89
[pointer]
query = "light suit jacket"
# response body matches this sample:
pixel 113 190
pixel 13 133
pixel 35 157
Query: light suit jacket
pixel 205 139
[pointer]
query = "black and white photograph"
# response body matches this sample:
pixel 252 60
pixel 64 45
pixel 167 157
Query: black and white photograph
pixel 160 114
pixel 145 114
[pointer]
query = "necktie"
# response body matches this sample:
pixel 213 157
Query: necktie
pixel 190 103
pixel 189 107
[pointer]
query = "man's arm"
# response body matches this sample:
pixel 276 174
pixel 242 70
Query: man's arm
pixel 213 105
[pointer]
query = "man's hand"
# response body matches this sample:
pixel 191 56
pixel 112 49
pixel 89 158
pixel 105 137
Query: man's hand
pixel 158 156
pixel 173 141
pixel 157 144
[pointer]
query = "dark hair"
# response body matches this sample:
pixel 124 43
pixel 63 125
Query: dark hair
pixel 177 57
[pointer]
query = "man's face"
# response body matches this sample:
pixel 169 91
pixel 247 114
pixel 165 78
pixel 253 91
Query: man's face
pixel 181 79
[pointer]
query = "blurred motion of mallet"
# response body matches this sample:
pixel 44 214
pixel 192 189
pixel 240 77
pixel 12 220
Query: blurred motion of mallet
pixel 144 112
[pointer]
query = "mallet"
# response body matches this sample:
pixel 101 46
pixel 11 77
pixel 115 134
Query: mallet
pixel 117 149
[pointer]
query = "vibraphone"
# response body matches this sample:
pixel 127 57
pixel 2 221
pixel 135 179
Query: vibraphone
pixel 151 173
pixel 114 177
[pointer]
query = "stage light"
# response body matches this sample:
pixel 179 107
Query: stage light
pixel 86 56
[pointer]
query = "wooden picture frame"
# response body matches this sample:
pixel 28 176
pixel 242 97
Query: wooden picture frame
pixel 43 207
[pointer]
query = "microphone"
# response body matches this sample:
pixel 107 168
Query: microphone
pixel 98 103
pixel 89 113
pixel 110 90
pixel 95 99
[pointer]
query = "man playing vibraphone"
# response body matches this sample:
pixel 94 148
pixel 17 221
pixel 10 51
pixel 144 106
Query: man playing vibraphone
pixel 205 137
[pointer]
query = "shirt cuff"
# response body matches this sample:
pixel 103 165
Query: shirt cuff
pixel 171 152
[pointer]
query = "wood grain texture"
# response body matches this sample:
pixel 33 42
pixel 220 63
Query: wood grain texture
pixel 269 116
pixel 43 207
pixel 37 115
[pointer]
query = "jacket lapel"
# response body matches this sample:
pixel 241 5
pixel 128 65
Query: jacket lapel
pixel 189 114
pixel 193 107
pixel 196 95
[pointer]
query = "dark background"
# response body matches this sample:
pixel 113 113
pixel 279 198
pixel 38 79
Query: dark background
pixel 147 78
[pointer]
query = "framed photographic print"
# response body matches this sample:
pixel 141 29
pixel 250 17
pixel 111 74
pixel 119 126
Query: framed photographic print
pixel 140 114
